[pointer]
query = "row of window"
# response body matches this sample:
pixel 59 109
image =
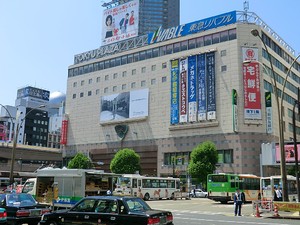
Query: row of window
pixel 116 75
pixel 122 87
pixel 155 52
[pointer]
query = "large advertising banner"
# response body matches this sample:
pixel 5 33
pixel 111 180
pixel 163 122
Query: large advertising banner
pixel 289 153
pixel 211 89
pixel 251 75
pixel 201 73
pixel 174 92
pixel 120 23
pixel 183 90
pixel 124 105
pixel 192 94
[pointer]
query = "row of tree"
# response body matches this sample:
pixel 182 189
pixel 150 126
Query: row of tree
pixel 202 162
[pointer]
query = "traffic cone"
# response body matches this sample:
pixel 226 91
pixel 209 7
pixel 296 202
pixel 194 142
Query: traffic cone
pixel 257 211
pixel 276 211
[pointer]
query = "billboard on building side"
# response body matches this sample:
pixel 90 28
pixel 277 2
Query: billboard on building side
pixel 125 105
pixel 193 94
pixel 251 75
pixel 33 92
pixel 289 153
pixel 120 23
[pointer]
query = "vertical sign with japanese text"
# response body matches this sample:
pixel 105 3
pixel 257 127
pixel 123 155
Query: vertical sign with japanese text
pixel 251 77
pixel 192 89
pixel 269 116
pixel 211 83
pixel 201 74
pixel 183 90
pixel 174 91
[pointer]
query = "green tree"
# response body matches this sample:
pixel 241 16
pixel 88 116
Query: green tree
pixel 125 161
pixel 80 161
pixel 203 161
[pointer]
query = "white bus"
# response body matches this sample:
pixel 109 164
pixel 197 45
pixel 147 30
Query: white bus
pixel 147 187
pixel 268 185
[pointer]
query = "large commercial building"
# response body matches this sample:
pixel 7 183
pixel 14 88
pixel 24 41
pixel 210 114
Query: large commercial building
pixel 164 93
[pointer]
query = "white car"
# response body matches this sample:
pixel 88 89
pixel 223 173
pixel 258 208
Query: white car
pixel 198 193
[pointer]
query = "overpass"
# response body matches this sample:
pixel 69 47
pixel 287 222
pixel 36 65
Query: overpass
pixel 28 158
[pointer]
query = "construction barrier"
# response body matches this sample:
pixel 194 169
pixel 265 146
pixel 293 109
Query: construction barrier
pixel 262 206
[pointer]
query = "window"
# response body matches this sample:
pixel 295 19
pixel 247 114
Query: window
pixel 169 49
pixel 106 90
pixel 192 43
pixel 133 72
pixel 163 50
pixel 164 65
pixel 81 94
pixel 133 85
pixel 143 69
pixel 115 76
pixel 114 88
pixel 98 79
pixel 223 52
pixel 75 84
pixel 155 52
pixel 74 96
pixel 216 38
pixel 106 77
pixel 89 93
pixel 153 81
pixel 124 73
pixel 82 83
pixel 136 57
pixel 224 36
pixel 199 42
pixel 90 81
pixel 97 91
pixel 142 55
pixel 143 83
pixel 207 40
pixel 184 45
pixel 225 156
pixel 232 34
pixel 176 47
pixel 123 86
pixel 124 60
pixel 163 79
pixel 153 67
pixel 223 68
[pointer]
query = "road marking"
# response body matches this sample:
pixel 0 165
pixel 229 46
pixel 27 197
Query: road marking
pixel 228 221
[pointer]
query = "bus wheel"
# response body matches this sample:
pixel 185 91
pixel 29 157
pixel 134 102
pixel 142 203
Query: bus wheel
pixel 146 197
pixel 223 202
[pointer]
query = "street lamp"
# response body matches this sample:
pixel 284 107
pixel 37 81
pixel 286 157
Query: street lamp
pixel 255 33
pixel 15 138
pixel 297 102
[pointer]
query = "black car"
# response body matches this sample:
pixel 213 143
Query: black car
pixel 109 210
pixel 3 216
pixel 22 208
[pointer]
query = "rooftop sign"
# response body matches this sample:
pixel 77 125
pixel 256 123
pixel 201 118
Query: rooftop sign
pixel 191 28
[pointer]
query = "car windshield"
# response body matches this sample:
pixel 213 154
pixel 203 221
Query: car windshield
pixel 16 200
pixel 137 204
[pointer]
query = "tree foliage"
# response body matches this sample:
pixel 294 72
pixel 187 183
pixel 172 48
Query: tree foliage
pixel 125 161
pixel 80 161
pixel 203 161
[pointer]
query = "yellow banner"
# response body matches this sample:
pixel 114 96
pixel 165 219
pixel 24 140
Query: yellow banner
pixel 287 206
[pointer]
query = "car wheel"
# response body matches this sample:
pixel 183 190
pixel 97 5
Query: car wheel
pixel 172 196
pixel 52 223
pixel 146 197
pixel 205 196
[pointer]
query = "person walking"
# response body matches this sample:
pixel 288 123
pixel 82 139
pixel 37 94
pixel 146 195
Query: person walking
pixel 278 194
pixel 238 201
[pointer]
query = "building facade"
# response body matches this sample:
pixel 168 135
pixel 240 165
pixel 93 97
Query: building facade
pixel 168 92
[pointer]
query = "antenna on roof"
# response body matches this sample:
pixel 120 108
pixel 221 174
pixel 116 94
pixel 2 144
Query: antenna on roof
pixel 246 8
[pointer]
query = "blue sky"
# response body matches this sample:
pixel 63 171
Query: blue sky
pixel 39 38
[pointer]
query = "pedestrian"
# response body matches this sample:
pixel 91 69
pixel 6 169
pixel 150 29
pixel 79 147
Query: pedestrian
pixel 239 199
pixel 278 194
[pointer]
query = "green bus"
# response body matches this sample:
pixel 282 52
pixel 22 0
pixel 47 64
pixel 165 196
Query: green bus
pixel 221 187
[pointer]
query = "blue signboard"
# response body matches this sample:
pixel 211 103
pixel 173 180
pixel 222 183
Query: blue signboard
pixel 191 28
pixel 201 73
pixel 192 94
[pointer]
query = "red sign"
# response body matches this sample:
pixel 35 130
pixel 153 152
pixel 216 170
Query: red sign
pixel 64 132
pixel 252 98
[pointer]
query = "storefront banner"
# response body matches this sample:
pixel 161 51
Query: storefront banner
pixel 201 74
pixel 235 110
pixel 192 103
pixel 183 90
pixel 211 83
pixel 174 117
pixel 269 116
pixel 289 153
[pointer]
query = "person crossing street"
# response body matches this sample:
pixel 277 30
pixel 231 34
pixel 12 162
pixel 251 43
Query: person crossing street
pixel 239 199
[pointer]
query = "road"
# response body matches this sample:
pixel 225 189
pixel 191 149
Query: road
pixel 199 211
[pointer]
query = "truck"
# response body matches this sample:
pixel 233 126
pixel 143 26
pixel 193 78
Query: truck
pixel 63 188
